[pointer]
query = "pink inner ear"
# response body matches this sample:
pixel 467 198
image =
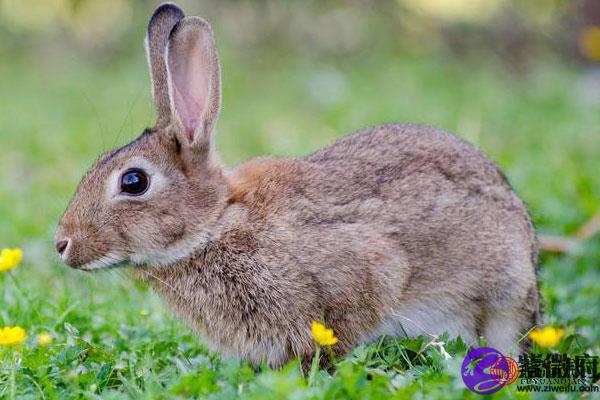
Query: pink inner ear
pixel 190 124
pixel 190 86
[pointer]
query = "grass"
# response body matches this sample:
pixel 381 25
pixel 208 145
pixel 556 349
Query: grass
pixel 113 338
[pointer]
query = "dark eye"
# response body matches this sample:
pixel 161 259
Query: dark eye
pixel 134 182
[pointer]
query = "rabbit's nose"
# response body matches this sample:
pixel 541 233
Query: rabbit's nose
pixel 61 246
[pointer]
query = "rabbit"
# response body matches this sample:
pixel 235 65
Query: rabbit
pixel 400 230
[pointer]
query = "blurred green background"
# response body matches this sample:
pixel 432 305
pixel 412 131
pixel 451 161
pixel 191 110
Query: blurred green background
pixel 520 79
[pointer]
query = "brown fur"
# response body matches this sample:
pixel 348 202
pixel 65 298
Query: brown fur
pixel 397 229
pixel 246 179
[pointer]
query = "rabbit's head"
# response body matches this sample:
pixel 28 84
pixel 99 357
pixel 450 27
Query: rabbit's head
pixel 156 199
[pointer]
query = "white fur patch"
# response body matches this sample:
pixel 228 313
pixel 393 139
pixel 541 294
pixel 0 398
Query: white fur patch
pixel 422 319
pixel 177 252
pixel 102 262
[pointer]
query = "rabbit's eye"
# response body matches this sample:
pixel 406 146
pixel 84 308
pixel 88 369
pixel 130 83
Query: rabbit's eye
pixel 134 182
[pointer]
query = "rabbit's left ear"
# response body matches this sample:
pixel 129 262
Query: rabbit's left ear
pixel 164 18
pixel 194 79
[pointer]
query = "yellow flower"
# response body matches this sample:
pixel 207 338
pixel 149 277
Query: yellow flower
pixel 45 339
pixel 10 336
pixel 547 337
pixel 322 335
pixel 10 258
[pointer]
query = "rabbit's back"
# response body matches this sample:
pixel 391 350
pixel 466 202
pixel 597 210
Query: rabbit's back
pixel 392 152
pixel 444 204
pixel 411 179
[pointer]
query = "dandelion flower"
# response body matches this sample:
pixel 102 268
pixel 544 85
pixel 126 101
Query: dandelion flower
pixel 45 339
pixel 10 258
pixel 11 336
pixel 323 335
pixel 547 337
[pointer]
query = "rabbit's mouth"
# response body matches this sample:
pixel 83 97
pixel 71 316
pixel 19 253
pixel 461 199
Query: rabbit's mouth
pixel 82 250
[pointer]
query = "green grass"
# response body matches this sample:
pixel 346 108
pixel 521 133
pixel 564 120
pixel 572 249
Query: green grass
pixel 113 338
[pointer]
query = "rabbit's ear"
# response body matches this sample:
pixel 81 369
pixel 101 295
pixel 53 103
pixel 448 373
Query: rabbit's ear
pixel 194 79
pixel 164 18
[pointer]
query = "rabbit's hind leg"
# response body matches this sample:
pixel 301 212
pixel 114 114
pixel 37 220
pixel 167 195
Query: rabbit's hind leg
pixel 506 329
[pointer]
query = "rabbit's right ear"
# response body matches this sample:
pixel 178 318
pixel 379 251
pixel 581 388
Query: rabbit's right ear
pixel 162 22
pixel 194 80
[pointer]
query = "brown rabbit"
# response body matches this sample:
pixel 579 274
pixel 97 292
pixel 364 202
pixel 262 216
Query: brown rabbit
pixel 396 229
